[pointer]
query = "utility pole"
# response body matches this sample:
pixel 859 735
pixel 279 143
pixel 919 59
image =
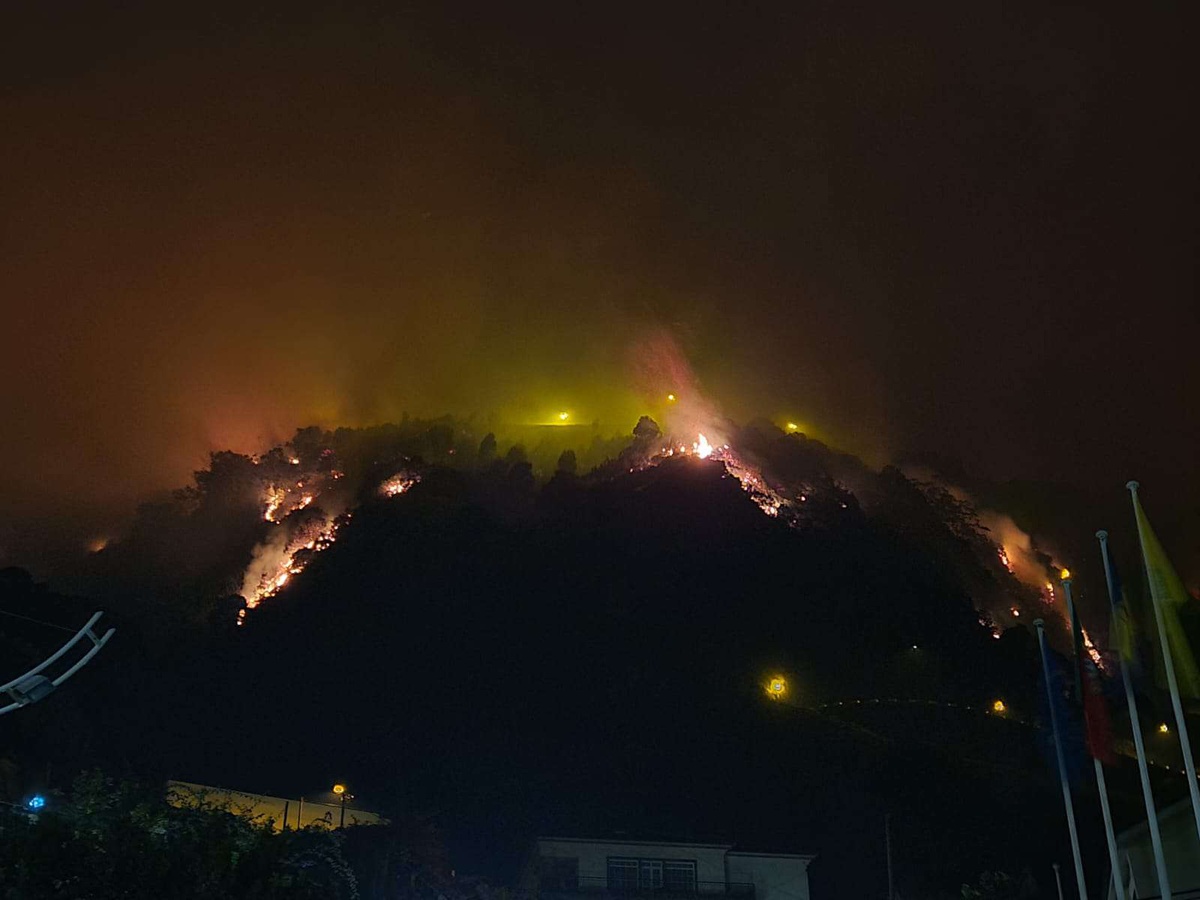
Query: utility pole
pixel 340 791
pixel 887 842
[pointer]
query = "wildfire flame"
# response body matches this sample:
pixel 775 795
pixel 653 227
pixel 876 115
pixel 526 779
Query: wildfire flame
pixel 399 484
pixel 276 562
pixel 275 498
pixel 291 547
pixel 1092 651
pixel 749 477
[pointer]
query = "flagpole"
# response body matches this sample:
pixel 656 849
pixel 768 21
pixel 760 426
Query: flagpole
pixel 1113 860
pixel 1164 883
pixel 1176 705
pixel 1062 761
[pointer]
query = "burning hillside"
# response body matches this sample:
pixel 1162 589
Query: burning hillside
pixel 257 523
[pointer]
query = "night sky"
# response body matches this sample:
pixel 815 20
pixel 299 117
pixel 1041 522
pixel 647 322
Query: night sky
pixel 958 231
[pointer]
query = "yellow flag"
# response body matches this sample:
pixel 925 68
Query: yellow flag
pixel 1124 634
pixel 1168 594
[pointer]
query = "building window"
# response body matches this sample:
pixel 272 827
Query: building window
pixel 622 875
pixel 627 876
pixel 559 873
pixel 679 876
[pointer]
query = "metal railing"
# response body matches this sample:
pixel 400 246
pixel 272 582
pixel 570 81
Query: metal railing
pixel 589 884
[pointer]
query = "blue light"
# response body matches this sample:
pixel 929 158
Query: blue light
pixel 37 801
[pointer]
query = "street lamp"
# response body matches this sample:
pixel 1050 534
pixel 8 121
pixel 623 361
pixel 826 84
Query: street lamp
pixel 340 790
pixel 34 686
pixel 776 687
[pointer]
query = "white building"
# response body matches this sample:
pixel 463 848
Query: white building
pixel 1181 854
pixel 594 869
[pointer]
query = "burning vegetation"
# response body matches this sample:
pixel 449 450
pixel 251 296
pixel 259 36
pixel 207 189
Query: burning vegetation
pixel 282 509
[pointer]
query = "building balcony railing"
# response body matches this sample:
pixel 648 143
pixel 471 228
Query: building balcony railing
pixel 593 885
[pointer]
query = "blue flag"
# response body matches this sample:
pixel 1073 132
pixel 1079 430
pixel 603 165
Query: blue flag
pixel 1068 714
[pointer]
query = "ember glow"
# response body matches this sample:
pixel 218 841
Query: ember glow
pixel 766 498
pixel 751 480
pixel 399 484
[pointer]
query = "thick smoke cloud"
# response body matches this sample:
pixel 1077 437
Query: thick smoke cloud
pixel 207 249
pixel 219 229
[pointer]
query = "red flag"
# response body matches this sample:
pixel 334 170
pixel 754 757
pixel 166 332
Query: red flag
pixel 1095 713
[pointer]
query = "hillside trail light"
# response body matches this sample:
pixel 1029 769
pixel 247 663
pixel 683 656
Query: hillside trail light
pixel 999 707
pixel 1164 728
pixel 563 416
pixel 34 686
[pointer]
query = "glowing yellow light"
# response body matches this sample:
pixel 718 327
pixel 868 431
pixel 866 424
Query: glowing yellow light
pixel 998 706
pixel 562 416
pixel 670 398
pixel 1064 574
pixel 339 789
pixel 792 426
pixel 776 687
pixel 1163 729
pixel 702 448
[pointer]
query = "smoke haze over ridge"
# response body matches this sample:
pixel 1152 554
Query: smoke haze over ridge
pixel 944 238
